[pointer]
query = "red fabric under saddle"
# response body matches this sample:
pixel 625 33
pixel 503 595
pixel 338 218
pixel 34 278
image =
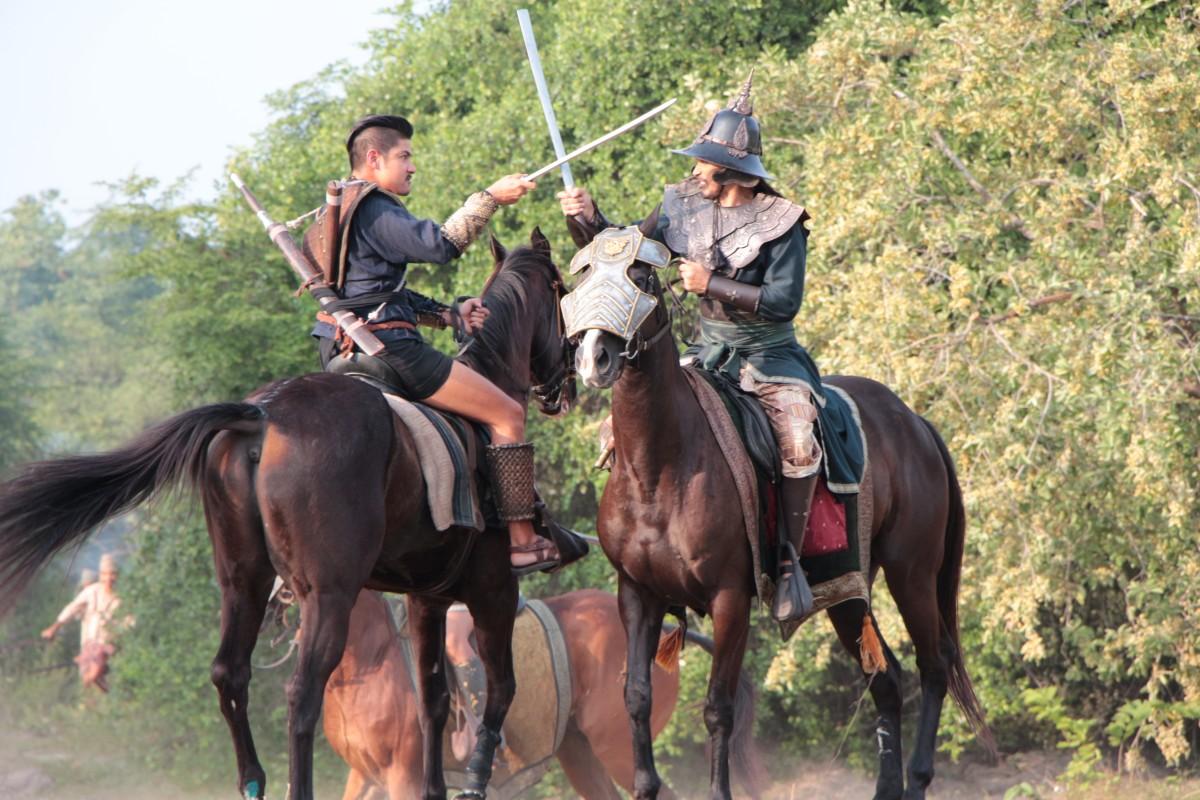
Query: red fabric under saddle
pixel 826 522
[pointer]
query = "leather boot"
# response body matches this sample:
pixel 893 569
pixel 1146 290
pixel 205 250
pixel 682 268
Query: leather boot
pixel 793 597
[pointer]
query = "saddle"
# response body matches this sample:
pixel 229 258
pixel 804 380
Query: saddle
pixel 450 449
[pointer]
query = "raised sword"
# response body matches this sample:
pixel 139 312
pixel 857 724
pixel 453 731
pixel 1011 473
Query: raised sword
pixel 592 145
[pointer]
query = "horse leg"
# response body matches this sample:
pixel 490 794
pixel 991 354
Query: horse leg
pixel 243 603
pixel 614 760
pixel 916 599
pixel 641 615
pixel 731 627
pixel 885 688
pixel 427 623
pixel 493 607
pixel 244 573
pixel 324 622
pixel 357 785
pixel 583 768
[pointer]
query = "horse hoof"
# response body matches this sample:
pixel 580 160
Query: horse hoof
pixel 470 794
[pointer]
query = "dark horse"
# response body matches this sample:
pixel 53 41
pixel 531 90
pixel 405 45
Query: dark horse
pixel 671 525
pixel 371 709
pixel 312 479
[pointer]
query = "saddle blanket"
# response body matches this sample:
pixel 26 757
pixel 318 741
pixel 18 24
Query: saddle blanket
pixel 837 544
pixel 537 719
pixel 446 448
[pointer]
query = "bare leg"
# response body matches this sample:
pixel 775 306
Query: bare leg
pixel 471 395
pixel 885 692
pixel 641 615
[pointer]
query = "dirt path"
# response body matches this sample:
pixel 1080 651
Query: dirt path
pixel 45 767
pixel 1029 776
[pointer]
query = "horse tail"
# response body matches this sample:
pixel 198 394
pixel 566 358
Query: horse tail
pixel 52 504
pixel 959 682
pixel 744 757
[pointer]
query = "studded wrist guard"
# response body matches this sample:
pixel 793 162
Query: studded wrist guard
pixel 511 468
pixel 465 225
pixel 741 296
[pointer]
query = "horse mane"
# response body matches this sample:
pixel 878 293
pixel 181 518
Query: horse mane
pixel 506 296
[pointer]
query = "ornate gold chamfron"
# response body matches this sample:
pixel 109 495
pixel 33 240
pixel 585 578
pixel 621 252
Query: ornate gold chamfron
pixel 465 225
pixel 614 247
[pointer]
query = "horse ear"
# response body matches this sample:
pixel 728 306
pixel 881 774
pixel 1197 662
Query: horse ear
pixel 499 253
pixel 539 241
pixel 650 223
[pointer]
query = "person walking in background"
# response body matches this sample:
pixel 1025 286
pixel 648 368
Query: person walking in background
pixel 95 605
pixel 86 578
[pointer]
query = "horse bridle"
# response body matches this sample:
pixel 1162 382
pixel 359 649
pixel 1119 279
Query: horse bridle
pixel 549 393
pixel 638 343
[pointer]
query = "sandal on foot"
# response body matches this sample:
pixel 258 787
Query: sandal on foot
pixel 546 556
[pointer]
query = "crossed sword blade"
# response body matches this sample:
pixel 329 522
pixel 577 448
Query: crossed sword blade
pixel 628 126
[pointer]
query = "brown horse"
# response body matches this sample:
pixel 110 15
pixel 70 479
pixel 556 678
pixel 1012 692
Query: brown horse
pixel 311 479
pixel 371 709
pixel 673 546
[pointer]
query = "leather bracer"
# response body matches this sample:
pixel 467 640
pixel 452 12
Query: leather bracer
pixel 741 296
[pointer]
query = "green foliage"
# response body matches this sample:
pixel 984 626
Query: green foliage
pixel 1006 234
pixel 1047 706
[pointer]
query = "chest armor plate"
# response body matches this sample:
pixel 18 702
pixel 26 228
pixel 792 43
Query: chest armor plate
pixel 725 239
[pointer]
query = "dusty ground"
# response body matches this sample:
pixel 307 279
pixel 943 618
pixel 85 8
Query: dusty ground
pixel 66 767
pixel 34 765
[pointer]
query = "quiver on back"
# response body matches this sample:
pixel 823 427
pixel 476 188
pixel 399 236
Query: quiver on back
pixel 326 241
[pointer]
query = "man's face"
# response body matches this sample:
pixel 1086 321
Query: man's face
pixel 705 174
pixel 109 578
pixel 393 171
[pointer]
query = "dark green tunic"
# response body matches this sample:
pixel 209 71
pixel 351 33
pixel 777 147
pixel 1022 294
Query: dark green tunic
pixel 764 343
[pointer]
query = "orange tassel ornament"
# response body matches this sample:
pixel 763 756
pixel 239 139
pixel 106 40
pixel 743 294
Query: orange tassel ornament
pixel 870 648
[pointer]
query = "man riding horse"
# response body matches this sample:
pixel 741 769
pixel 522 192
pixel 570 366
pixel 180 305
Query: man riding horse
pixel 743 252
pixel 380 239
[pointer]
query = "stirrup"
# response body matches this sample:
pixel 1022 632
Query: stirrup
pixel 794 599
pixel 570 544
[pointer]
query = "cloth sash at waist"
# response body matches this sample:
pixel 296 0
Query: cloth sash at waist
pixel 747 337
pixel 764 345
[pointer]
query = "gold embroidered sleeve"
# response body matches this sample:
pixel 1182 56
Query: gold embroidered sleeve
pixel 465 225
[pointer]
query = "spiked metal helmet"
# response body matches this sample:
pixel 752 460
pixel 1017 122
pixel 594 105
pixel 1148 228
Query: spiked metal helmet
pixel 731 137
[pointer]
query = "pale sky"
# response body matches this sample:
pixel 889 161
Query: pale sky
pixel 95 90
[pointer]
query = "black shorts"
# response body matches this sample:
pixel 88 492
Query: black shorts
pixel 421 369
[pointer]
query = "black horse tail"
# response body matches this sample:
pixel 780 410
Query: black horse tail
pixel 947 594
pixel 52 504
pixel 743 754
